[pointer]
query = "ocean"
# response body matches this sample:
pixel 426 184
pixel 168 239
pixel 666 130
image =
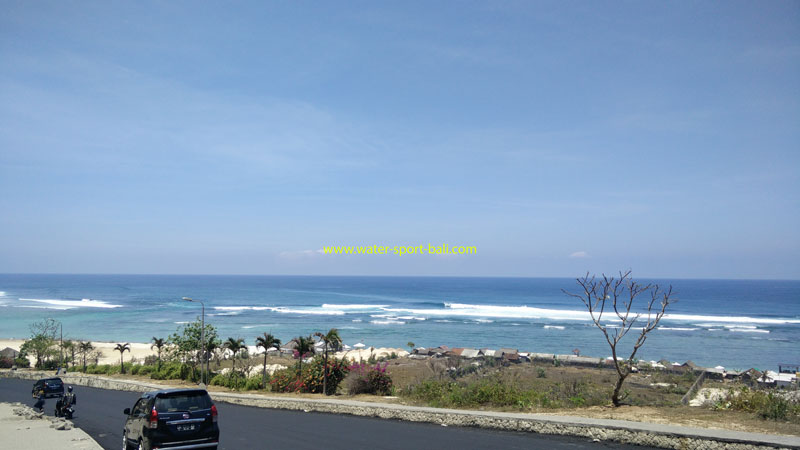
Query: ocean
pixel 734 323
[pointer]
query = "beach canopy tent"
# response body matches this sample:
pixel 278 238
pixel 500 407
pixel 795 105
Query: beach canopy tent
pixel 359 345
pixel 8 352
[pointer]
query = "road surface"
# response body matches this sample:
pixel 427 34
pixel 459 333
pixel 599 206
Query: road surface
pixel 99 413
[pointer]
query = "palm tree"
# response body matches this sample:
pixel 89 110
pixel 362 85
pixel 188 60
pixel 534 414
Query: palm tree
pixel 122 348
pixel 331 339
pixel 304 345
pixel 267 341
pixel 235 346
pixel 85 348
pixel 69 350
pixel 211 346
pixel 159 344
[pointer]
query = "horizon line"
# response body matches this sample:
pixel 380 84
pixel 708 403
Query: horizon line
pixel 377 276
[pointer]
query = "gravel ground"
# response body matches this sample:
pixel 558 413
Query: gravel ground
pixel 25 429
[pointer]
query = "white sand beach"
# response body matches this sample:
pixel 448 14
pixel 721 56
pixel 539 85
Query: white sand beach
pixel 141 350
pixel 109 355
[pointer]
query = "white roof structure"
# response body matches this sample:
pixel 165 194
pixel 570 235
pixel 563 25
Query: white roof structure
pixel 470 353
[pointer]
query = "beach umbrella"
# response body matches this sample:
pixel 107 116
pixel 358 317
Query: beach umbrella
pixel 347 347
pixel 359 345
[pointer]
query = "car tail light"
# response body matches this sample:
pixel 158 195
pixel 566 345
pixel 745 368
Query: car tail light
pixel 154 418
pixel 214 413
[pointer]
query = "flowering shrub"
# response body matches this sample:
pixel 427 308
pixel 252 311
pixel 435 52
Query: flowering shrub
pixel 312 378
pixel 368 379
pixel 314 375
pixel 285 380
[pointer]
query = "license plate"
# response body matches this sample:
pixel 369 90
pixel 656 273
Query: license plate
pixel 186 427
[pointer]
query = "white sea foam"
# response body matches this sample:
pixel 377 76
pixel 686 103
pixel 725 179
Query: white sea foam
pixel 731 319
pixel 260 325
pixel 411 318
pixel 747 330
pixel 484 320
pixel 320 312
pixel 554 327
pixel 180 322
pixel 387 322
pixel 242 308
pixel 2 293
pixel 356 320
pixel 68 304
pixel 352 306
pixel 59 308
pixel 529 312
pixel 677 329
pixel 279 309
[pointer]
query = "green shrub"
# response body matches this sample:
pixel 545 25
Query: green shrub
pixel 540 373
pixel 172 371
pixel 253 383
pixel 22 362
pixel 483 392
pixel 766 404
pixel 100 369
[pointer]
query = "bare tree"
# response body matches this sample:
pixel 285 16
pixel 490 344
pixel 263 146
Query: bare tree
pixel 614 297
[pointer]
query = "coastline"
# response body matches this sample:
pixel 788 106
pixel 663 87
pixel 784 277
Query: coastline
pixel 110 356
pixel 141 350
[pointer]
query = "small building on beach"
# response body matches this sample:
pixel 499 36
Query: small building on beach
pixel 470 353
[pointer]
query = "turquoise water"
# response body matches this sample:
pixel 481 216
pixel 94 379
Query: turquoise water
pixel 734 323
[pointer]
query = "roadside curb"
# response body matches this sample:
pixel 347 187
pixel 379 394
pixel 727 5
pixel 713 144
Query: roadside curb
pixel 627 432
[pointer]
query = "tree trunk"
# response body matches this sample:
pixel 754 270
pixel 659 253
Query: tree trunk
pixel 615 396
pixel 121 365
pixel 264 375
pixel 325 372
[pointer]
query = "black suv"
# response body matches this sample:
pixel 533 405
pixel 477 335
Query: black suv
pixel 50 387
pixel 171 419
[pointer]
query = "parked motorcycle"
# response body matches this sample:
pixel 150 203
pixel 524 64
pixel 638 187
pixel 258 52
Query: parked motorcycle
pixel 62 411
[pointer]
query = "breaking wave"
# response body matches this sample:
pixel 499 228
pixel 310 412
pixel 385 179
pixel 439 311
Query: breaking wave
pixel 69 304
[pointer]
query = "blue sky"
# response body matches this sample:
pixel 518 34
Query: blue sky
pixel 186 137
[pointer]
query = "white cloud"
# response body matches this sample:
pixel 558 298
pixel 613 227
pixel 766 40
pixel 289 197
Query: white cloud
pixel 580 254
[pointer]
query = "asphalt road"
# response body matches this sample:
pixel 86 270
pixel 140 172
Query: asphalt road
pixel 99 413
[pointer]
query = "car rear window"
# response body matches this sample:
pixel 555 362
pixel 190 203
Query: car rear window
pixel 53 383
pixel 183 401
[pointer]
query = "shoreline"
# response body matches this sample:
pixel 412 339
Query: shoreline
pixel 141 350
